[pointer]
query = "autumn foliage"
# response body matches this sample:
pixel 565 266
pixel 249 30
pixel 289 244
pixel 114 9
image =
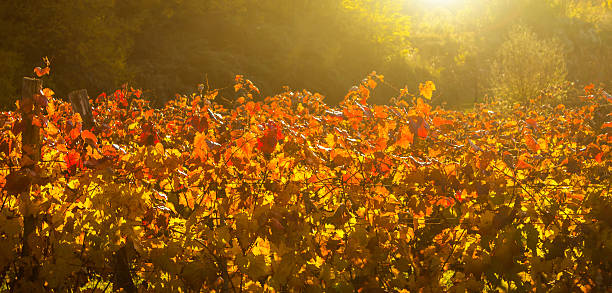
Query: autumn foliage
pixel 293 194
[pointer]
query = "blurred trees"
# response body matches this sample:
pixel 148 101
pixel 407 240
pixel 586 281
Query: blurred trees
pixel 327 46
pixel 525 65
pixel 321 45
pixel 459 45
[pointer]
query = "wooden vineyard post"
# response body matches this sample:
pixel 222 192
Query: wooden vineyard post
pixel 30 143
pixel 123 275
pixel 30 93
pixel 80 104
pixel 31 100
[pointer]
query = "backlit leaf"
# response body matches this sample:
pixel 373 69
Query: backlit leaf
pixel 427 89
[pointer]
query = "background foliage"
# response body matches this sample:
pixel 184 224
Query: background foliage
pixel 526 65
pixel 326 46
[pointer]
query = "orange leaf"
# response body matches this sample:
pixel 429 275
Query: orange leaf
pixel 422 107
pixel 380 112
pixel 437 121
pixel 149 113
pixel 371 83
pixel 42 71
pixel 606 125
pixel 406 138
pixel 577 196
pixel 350 178
pixel 51 129
pixel 75 133
pixel 36 122
pixel 364 93
pixel 76 118
pixel 252 107
pixel 89 137
pixel 532 123
pixel 523 165
pixel 532 144
pixel 200 146
pixel 109 150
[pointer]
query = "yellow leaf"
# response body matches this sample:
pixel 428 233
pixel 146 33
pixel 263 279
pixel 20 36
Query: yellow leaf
pixel 51 108
pixel 427 89
pixel 47 92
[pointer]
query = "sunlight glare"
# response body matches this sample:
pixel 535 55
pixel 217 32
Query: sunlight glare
pixel 443 3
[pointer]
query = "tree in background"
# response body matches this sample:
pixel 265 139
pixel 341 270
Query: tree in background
pixel 322 45
pixel 457 45
pixel 86 41
pixel 526 64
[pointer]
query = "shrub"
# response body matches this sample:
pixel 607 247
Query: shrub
pixel 525 65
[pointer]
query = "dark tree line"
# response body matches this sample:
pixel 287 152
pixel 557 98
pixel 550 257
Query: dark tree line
pixel 326 46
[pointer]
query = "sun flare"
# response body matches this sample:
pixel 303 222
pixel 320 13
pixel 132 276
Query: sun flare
pixel 440 2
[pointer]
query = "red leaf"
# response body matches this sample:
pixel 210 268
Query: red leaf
pixel 120 97
pixel 532 123
pixel 73 161
pixel 200 123
pixel 101 97
pixel 523 165
pixel 422 131
pixel 271 136
pixel 598 157
pixel 149 135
